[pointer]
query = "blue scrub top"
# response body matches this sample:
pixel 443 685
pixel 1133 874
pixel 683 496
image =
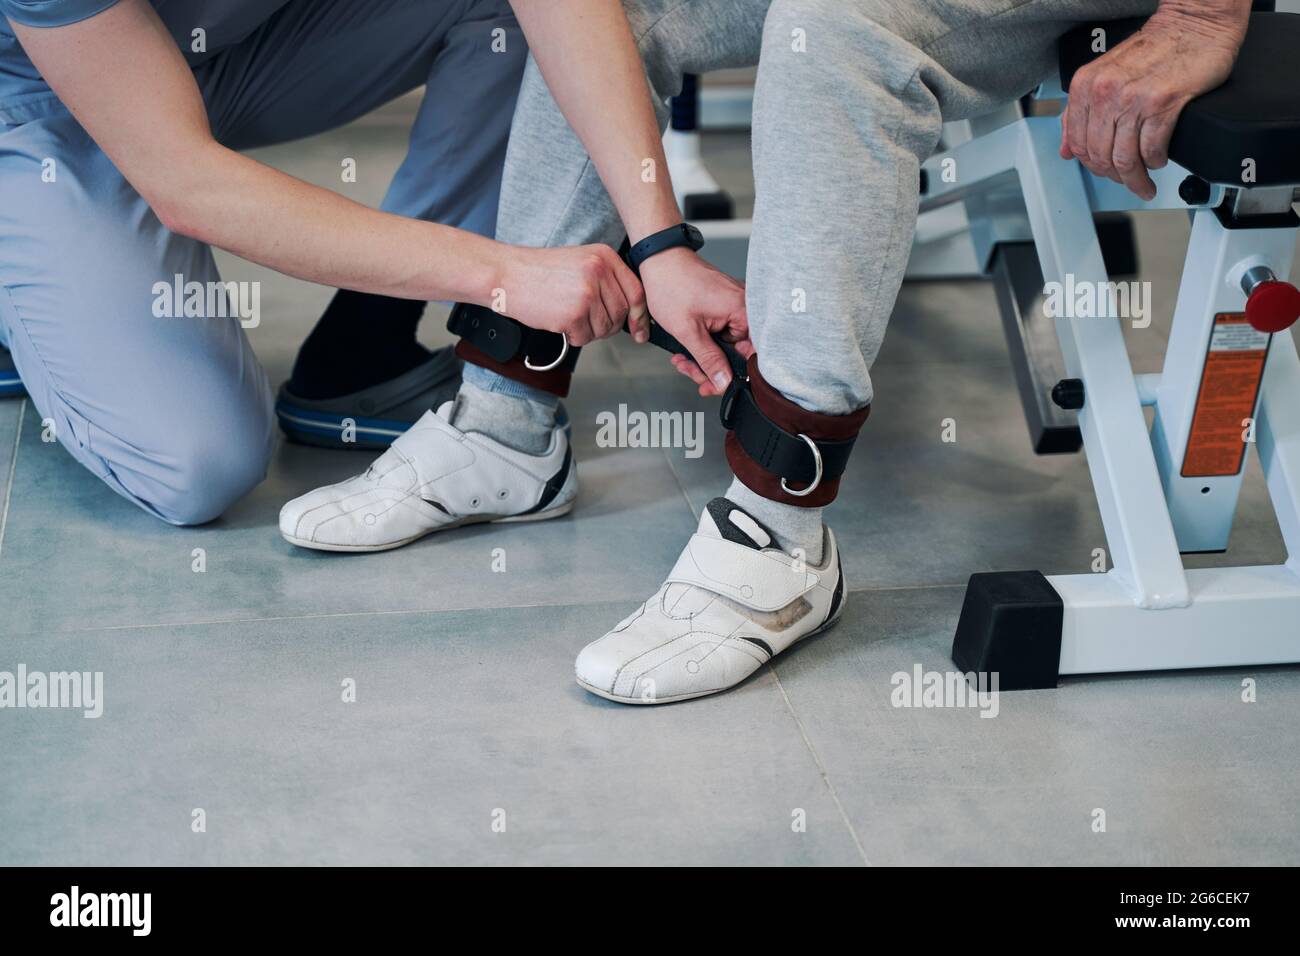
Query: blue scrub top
pixel 226 22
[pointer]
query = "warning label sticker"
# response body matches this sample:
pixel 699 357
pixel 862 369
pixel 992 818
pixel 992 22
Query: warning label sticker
pixel 1234 369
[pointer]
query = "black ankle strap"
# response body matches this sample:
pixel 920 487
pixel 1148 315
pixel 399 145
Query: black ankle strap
pixel 506 339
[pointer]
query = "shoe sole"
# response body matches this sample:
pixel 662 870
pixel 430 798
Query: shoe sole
pixel 461 523
pixel 325 430
pixel 320 422
pixel 635 701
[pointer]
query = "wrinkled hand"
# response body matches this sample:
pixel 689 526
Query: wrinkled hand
pixel 1123 106
pixel 694 301
pixel 585 292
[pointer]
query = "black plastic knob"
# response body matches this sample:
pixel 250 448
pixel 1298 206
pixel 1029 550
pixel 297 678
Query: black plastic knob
pixel 1068 393
pixel 1194 191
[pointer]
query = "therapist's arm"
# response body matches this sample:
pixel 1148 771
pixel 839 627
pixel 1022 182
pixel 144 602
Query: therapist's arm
pixel 123 78
pixel 587 54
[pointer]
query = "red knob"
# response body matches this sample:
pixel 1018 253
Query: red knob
pixel 1273 306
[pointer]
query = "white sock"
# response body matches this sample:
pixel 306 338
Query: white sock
pixel 793 527
pixel 521 423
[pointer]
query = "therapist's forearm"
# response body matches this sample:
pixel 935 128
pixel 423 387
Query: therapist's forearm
pixel 121 75
pixel 240 205
pixel 591 64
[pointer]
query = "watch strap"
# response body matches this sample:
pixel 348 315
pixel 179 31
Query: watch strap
pixel 682 234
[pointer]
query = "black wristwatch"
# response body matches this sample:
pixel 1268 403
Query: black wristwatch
pixel 682 234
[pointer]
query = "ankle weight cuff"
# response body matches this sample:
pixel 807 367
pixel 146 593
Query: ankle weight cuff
pixel 771 439
pixel 508 347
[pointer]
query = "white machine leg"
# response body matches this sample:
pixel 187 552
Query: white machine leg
pixel 1147 613
pixel 1143 551
pixel 698 193
pixel 1202 508
pixel 1278 444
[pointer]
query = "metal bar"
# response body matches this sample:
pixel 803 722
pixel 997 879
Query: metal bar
pixel 1236 617
pixel 1202 508
pixel 1035 357
pixel 1138 530
pixel 1278 441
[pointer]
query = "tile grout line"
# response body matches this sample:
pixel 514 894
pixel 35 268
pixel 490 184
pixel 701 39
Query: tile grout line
pixel 13 468
pixel 821 767
pixel 631 381
pixel 668 459
pixel 681 488
pixel 421 610
pixel 275 619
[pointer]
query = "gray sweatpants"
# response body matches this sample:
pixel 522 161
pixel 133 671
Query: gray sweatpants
pixel 849 101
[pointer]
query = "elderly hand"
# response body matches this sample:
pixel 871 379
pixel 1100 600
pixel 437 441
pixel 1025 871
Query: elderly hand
pixel 1123 106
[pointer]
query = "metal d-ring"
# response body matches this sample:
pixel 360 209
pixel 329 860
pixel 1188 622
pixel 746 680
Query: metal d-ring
pixel 817 478
pixel 564 341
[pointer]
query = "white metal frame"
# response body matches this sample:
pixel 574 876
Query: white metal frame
pixel 1147 612
pixel 686 166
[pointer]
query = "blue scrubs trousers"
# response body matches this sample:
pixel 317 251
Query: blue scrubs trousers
pixel 175 414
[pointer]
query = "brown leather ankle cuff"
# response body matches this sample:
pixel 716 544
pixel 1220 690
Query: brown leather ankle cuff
pixel 796 420
pixel 555 381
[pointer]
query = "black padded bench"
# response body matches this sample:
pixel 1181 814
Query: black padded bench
pixel 1254 115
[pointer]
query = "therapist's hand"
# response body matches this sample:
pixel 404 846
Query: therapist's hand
pixel 695 302
pixel 585 292
pixel 1123 106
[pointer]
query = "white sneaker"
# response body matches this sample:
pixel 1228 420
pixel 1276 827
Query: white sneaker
pixel 432 477
pixel 732 603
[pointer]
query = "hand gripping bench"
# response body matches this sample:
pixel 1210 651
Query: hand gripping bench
pixel 1230 379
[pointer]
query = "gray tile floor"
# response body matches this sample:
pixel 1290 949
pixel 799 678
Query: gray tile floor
pixel 223 689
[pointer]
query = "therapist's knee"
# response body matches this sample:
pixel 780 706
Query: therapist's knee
pixel 209 465
pixel 205 475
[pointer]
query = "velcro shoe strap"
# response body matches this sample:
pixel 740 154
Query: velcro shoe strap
pixel 761 580
pixel 433 449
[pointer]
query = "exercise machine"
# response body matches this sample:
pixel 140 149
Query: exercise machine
pixel 1230 380
pixel 698 194
pixel 703 202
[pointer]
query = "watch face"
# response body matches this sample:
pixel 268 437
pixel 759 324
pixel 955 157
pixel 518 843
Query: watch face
pixel 694 235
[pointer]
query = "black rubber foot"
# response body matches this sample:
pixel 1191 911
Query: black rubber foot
pixel 711 206
pixel 1011 625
